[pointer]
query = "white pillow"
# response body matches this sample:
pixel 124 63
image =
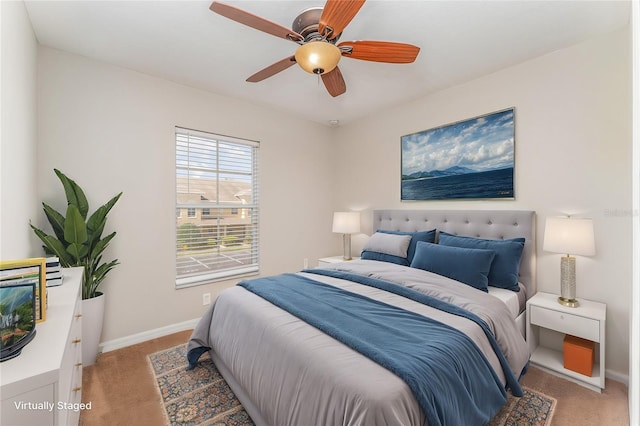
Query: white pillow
pixel 392 244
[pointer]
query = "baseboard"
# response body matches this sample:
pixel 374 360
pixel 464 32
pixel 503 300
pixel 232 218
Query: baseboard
pixel 618 377
pixel 122 342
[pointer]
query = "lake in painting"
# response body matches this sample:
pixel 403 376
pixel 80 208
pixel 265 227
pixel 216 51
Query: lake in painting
pixel 490 184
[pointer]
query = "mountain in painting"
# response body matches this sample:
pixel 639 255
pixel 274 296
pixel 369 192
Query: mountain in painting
pixel 451 171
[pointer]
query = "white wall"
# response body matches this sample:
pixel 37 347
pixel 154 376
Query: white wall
pixel 634 350
pixel 573 149
pixel 112 130
pixel 18 132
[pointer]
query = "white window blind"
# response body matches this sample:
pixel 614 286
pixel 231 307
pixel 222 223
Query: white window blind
pixel 217 198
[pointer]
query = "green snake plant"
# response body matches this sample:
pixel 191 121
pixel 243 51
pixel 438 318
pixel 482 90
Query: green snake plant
pixel 76 240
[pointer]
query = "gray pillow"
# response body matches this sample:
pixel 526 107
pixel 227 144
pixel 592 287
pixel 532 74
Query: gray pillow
pixel 391 244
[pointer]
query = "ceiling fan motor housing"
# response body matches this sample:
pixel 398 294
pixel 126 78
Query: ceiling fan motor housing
pixel 306 24
pixel 317 53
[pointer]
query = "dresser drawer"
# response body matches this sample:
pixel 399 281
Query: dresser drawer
pixel 566 323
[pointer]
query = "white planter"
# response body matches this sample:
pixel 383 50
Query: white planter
pixel 92 318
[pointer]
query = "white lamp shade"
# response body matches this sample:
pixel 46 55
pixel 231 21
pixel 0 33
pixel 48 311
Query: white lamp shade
pixel 569 236
pixel 346 222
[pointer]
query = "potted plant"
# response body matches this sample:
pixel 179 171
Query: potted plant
pixel 77 241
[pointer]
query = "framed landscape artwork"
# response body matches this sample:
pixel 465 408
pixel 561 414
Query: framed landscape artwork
pixel 470 159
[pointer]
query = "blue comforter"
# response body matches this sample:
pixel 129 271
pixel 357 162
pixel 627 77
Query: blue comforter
pixel 447 373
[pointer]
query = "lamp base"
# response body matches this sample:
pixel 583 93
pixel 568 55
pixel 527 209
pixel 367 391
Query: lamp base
pixel 568 282
pixel 571 303
pixel 346 240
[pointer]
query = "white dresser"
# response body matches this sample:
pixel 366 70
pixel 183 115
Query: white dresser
pixel 42 386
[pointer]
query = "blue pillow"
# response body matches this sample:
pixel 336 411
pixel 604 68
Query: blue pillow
pixel 506 265
pixel 467 265
pixel 426 236
pixel 383 257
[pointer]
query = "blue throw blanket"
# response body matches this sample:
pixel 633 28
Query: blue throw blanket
pixel 449 376
pixel 512 381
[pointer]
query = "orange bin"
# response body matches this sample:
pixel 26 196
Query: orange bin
pixel 578 354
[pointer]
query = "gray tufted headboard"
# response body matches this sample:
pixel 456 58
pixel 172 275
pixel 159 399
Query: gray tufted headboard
pixel 490 224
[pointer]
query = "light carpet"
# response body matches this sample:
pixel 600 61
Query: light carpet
pixel 202 397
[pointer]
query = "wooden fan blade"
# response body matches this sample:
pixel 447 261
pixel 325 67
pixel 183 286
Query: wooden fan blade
pixel 254 21
pixel 337 14
pixel 272 69
pixel 334 82
pixel 381 51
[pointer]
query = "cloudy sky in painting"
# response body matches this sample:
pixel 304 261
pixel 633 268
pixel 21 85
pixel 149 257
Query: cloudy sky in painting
pixel 483 143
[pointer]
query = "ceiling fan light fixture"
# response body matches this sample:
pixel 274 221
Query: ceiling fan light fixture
pixel 318 57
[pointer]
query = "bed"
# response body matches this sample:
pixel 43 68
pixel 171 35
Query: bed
pixel 294 355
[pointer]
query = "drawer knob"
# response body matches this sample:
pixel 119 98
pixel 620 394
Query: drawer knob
pixel 78 315
pixel 77 389
pixel 76 341
pixel 78 364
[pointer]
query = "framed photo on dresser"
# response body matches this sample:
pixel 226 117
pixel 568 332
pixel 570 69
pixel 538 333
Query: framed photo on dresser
pixel 28 271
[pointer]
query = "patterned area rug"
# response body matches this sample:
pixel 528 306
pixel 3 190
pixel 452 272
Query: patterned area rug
pixel 202 397
pixel 533 409
pixel 195 397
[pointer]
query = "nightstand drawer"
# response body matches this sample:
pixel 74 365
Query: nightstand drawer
pixel 566 323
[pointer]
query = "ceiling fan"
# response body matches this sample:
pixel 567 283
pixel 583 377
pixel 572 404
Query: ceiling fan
pixel 317 31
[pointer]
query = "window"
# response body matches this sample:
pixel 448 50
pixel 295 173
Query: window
pixel 217 175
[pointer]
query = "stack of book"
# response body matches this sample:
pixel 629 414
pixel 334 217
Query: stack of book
pixel 54 273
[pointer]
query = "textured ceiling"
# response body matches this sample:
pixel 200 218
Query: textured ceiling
pixel 183 41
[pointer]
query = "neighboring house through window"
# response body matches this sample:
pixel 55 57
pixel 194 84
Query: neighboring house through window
pixel 217 177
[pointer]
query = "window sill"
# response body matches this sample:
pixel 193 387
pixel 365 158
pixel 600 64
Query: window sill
pixel 216 277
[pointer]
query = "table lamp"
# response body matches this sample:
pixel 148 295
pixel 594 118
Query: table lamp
pixel 569 236
pixel 346 223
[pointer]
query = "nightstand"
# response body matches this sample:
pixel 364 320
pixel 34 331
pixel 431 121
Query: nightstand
pixel 326 261
pixel 548 322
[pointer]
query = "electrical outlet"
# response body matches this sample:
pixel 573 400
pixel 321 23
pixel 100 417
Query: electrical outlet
pixel 206 298
pixel 305 262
